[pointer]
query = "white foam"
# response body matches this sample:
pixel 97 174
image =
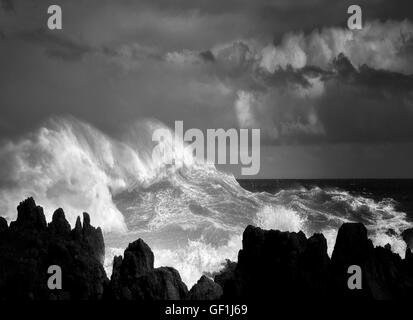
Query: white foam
pixel 396 243
pixel 382 217
pixel 62 165
pixel 279 217
pixel 330 235
pixel 110 254
pixel 70 164
pixel 197 258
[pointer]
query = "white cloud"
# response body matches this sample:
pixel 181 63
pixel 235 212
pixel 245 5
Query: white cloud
pixel 289 53
pixel 182 58
pixel 378 45
pixel 244 109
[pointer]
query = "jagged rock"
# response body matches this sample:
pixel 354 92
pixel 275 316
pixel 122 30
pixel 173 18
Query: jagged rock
pixel 135 278
pixel 3 224
pixel 205 289
pixel 162 283
pixel 29 246
pixel 314 263
pixel 137 260
pixel 77 232
pixel 352 248
pixel 225 278
pixel 382 275
pixel 29 216
pixel 94 238
pixel 59 224
pixel 271 265
pixel 408 237
pixel 274 263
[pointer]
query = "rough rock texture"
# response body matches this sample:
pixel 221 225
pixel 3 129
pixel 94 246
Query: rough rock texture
pixel 271 265
pixel 407 237
pixel 29 246
pixel 205 289
pixel 383 274
pixel 274 264
pixel 3 224
pixel 135 278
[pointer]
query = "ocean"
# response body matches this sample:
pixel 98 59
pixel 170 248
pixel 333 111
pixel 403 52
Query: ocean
pixel 400 190
pixel 193 219
pixel 191 214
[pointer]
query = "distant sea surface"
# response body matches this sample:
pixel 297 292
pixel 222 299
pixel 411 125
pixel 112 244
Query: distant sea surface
pixel 400 190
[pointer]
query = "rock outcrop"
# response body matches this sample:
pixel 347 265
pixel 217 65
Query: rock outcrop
pixel 205 289
pixel 29 246
pixel 135 278
pixel 274 264
pixel 384 273
pixel 407 237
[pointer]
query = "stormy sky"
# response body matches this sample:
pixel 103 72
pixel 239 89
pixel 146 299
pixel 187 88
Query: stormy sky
pixel 330 102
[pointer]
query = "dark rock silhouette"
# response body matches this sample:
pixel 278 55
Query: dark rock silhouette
pixel 352 248
pixel 274 264
pixel 271 265
pixel 205 289
pixel 138 259
pixel 3 224
pixel 384 273
pixel 93 238
pixel 135 278
pixel 408 237
pixel 29 246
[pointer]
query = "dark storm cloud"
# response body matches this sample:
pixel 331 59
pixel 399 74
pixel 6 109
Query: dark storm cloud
pixel 7 5
pixel 284 77
pixel 367 105
pixel 287 9
pixel 196 25
pixel 57 45
pixel 238 63
pixel 132 52
pixel 305 90
pixel 207 56
pixel 279 17
pixel 343 104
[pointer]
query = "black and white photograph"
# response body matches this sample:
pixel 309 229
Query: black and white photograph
pixel 206 156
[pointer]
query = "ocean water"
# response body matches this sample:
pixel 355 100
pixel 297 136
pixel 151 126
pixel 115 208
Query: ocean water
pixel 194 219
pixel 191 214
pixel 385 206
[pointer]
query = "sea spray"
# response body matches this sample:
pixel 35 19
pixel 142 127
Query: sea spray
pixel 191 214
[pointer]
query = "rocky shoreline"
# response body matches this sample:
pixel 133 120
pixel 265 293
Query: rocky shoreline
pixel 271 264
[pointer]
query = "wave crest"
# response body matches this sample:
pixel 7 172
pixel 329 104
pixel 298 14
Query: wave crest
pixel 279 218
pixel 191 214
pixel 68 163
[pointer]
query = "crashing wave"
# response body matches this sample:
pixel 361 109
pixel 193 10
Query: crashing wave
pixel 71 164
pixel 191 214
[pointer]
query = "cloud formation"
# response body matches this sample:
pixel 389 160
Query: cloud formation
pixel 386 46
pixel 290 68
pixel 7 5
